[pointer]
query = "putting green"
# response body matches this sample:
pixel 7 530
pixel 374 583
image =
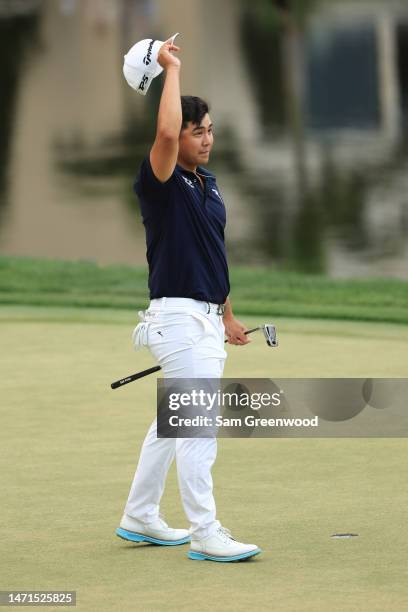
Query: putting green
pixel 69 447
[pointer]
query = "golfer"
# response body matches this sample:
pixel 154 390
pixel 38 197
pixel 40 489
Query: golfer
pixel 189 313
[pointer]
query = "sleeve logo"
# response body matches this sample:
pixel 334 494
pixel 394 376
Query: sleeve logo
pixel 216 192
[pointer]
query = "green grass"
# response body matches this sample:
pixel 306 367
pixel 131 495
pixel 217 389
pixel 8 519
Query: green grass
pixel 69 447
pixel 254 291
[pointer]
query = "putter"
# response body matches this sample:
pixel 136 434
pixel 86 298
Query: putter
pixel 268 330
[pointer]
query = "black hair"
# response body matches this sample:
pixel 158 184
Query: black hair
pixel 193 109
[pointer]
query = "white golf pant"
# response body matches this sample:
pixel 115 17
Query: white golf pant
pixel 188 342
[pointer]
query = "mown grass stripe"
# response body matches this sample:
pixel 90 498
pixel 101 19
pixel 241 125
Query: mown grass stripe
pixel 254 291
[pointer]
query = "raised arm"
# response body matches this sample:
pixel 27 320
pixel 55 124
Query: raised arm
pixel 163 155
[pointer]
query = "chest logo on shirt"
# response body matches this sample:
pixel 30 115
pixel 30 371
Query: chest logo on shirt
pixel 188 181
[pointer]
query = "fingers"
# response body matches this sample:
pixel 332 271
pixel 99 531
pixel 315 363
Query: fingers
pixel 169 47
pixel 169 43
pixel 239 340
pixel 236 333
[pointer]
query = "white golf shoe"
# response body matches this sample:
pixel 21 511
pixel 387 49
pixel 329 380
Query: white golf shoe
pixel 157 532
pixel 221 546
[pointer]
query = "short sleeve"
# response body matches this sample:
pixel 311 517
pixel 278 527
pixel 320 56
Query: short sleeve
pixel 148 186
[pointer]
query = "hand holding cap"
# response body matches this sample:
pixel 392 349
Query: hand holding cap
pixel 141 64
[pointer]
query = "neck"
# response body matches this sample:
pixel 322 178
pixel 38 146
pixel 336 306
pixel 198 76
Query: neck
pixel 186 166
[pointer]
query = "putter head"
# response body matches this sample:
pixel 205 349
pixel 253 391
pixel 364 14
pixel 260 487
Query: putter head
pixel 269 331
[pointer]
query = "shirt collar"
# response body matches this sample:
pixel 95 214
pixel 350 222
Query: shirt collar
pixel 200 170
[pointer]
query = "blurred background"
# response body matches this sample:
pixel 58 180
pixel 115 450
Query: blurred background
pixel 310 105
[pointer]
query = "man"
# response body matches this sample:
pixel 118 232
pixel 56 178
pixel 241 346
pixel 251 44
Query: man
pixel 189 313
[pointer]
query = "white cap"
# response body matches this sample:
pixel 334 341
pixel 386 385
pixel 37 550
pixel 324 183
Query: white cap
pixel 140 64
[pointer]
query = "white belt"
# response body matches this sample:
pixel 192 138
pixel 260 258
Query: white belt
pixel 168 303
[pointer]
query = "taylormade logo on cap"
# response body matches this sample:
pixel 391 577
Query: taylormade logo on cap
pixel 140 64
pixel 147 57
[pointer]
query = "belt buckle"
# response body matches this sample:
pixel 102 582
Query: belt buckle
pixel 220 309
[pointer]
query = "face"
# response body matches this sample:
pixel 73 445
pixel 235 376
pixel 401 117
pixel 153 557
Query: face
pixel 196 141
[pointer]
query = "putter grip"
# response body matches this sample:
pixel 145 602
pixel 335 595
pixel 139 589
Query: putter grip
pixel 132 377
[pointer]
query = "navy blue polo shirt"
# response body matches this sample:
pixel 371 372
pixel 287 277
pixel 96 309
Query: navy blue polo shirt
pixel 184 226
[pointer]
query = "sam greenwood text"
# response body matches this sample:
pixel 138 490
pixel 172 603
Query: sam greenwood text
pixel 249 420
